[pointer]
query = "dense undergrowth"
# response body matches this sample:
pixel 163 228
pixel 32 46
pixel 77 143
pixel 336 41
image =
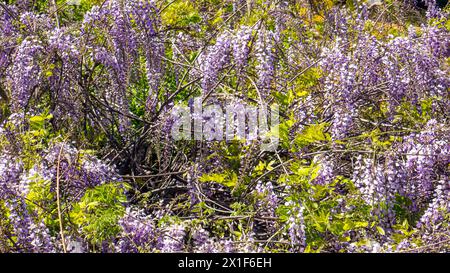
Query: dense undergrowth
pixel 88 162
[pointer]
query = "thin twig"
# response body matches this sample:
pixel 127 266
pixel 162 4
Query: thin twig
pixel 58 201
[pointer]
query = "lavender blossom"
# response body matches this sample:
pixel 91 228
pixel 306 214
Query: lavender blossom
pixel 25 73
pixel 214 61
pixel 241 48
pixel 265 68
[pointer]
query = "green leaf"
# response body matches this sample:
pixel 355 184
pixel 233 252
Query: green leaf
pixel 226 179
pixel 38 122
pixel 98 212
pixel 313 133
pixel 381 230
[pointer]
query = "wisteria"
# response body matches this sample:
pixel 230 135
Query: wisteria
pixel 91 94
pixel 25 72
pixel 266 62
pixel 138 232
pixel 296 229
pixel 214 61
pixel 241 47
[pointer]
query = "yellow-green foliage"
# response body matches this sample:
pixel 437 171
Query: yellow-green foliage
pixel 98 212
pixel 227 179
pixel 180 13
pixel 313 133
